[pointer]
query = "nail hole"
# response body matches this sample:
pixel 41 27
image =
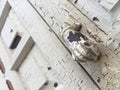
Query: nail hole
pixel 61 27
pixel 82 81
pixel 11 30
pixel 75 1
pixel 55 84
pixel 9 84
pixel 99 1
pixel 95 19
pixel 49 68
pixel 46 83
pixel 98 80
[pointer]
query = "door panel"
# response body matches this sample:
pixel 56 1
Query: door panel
pixel 31 73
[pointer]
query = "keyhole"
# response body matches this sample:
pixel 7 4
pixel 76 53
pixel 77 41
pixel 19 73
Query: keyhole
pixel 15 42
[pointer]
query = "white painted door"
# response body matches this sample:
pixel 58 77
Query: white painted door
pixel 31 74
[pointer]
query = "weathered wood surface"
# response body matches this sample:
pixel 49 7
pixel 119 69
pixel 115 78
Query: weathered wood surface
pixel 4 10
pixel 101 71
pixel 9 75
pixel 105 72
pixel 93 9
pixel 3 85
pixel 32 73
pixel 5 55
pixel 108 20
pixel 69 73
pixel 116 21
pixel 108 4
pixel 115 10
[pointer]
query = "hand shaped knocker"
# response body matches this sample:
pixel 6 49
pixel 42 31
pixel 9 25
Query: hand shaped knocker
pixel 81 47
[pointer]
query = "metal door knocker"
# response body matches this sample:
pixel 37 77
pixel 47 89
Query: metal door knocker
pixel 81 47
